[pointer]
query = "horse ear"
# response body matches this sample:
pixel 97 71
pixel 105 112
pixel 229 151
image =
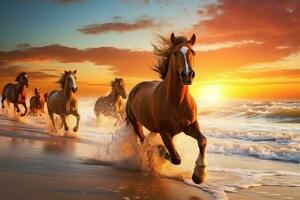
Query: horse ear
pixel 173 39
pixel 66 72
pixel 192 41
pixel 75 71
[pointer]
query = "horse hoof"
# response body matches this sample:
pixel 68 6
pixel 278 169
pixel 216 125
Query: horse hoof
pixel 66 128
pixel 75 129
pixel 18 111
pixel 196 179
pixel 176 161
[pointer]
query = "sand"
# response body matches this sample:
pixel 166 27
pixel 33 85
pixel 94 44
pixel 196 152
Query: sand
pixel 34 165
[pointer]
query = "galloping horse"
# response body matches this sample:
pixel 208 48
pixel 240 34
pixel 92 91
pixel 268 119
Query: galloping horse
pixel 63 102
pixel 16 93
pixel 36 102
pixel 166 106
pixel 111 104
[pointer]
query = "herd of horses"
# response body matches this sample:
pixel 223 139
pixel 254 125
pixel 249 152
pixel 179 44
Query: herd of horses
pixel 165 107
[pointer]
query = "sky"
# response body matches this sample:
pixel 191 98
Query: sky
pixel 244 49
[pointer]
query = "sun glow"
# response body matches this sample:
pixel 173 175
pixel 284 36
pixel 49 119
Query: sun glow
pixel 211 94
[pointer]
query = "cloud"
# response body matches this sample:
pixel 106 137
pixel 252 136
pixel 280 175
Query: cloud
pixel 119 25
pixel 23 46
pixel 123 62
pixel 281 73
pixel 67 1
pixel 271 25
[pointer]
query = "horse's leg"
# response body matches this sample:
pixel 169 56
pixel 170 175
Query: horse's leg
pixel 167 139
pixel 17 107
pixel 25 106
pixel 2 101
pixel 119 119
pixel 61 123
pixel 76 114
pixel 194 131
pixel 63 117
pixel 51 114
pixel 139 131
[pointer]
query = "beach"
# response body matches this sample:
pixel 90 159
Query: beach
pixel 248 157
pixel 35 165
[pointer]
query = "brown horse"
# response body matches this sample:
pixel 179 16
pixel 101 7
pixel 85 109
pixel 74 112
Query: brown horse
pixel 111 105
pixel 166 106
pixel 63 102
pixel 16 93
pixel 36 102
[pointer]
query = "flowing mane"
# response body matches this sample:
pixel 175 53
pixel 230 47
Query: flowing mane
pixel 19 76
pixel 163 51
pixel 61 81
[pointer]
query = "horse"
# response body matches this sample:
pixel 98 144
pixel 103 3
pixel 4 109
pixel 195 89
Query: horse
pixel 166 107
pixel 36 102
pixel 64 102
pixel 111 105
pixel 16 92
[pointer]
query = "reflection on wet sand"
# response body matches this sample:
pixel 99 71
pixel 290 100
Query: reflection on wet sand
pixel 59 145
pixel 59 168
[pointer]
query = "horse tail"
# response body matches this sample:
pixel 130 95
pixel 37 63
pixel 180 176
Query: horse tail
pixel 130 118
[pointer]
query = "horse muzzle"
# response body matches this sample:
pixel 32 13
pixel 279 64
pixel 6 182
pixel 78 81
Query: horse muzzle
pixel 124 96
pixel 187 78
pixel 74 89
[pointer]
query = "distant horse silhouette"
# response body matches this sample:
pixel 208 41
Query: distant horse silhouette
pixel 16 93
pixel 63 102
pixel 111 105
pixel 36 102
pixel 166 106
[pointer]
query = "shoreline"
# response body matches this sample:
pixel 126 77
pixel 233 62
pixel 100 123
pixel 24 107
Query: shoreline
pixel 41 166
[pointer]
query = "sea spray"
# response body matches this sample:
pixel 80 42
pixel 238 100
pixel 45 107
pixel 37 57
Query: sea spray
pixel 119 147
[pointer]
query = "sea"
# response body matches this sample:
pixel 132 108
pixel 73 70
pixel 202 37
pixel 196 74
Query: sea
pixel 253 148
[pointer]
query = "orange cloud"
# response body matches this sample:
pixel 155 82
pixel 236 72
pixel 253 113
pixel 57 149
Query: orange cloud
pixel 274 25
pixel 124 62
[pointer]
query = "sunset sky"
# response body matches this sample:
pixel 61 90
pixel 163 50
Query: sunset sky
pixel 245 49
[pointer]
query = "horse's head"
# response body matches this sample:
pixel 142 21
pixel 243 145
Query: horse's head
pixel 184 56
pixel 37 92
pixel 22 78
pixel 119 86
pixel 70 80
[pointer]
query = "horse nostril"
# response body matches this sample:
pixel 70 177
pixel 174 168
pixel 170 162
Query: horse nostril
pixel 182 74
pixel 192 74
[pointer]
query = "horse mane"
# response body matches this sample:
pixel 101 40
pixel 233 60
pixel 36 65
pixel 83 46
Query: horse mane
pixel 115 81
pixel 62 80
pixel 19 76
pixel 163 51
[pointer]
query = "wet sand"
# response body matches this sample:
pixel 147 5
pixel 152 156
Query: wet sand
pixel 34 165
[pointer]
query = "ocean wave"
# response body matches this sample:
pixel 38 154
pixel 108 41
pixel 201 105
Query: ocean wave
pixel 278 111
pixel 255 136
pixel 290 153
pixel 247 179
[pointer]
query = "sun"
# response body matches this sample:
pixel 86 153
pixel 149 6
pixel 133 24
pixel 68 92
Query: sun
pixel 211 94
